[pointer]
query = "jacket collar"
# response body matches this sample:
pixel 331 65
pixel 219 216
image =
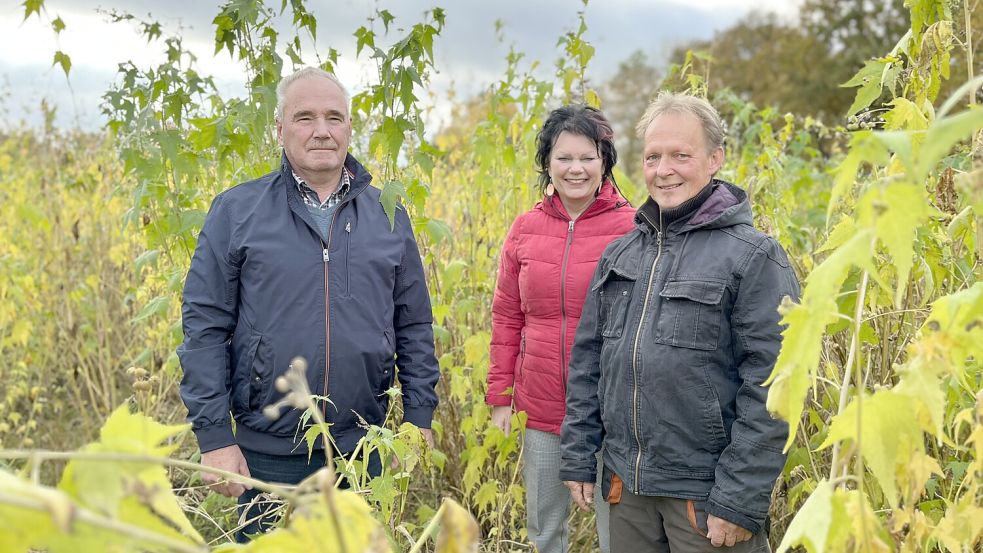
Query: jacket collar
pixel 607 199
pixel 719 204
pixel 357 174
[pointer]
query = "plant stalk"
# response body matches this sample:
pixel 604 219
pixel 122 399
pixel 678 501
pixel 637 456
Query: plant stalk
pixel 834 471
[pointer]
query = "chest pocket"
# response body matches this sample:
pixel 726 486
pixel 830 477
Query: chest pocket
pixel 690 314
pixel 614 296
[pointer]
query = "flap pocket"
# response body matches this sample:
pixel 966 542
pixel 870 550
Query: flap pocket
pixel 690 314
pixel 701 291
pixel 614 273
pixel 614 297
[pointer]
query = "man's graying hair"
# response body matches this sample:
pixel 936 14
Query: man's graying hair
pixel 307 73
pixel 669 102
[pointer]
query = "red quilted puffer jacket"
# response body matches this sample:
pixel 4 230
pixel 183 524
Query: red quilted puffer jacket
pixel 545 268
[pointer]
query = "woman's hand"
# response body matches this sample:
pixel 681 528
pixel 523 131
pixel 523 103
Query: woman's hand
pixel 502 417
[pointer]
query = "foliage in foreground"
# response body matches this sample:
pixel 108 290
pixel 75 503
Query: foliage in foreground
pixel 879 376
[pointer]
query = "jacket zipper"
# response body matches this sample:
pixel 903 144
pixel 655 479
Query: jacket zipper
pixel 634 355
pixel 326 257
pixel 563 308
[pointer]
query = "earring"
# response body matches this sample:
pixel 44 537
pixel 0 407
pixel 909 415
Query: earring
pixel 550 189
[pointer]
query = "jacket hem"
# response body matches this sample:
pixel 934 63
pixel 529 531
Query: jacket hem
pixel 274 444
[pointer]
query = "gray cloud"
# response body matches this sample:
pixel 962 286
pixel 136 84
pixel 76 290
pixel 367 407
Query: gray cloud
pixel 468 55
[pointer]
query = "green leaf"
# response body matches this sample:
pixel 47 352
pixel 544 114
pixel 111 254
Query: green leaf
pixel 905 115
pixel 890 431
pixel 896 212
pixel 822 515
pixel 962 525
pixel 392 192
pixel 944 134
pixel 63 60
pixel 32 7
pixel 869 81
pixel 592 99
pixel 802 342
pixel 864 147
pixel 438 231
pixel 154 307
pixel 57 25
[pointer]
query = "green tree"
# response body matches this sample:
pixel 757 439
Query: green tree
pixel 625 96
pixel 799 66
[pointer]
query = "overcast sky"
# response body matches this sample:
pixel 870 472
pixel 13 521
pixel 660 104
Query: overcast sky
pixel 468 56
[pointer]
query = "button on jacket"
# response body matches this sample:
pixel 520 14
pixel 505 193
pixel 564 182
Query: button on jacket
pixel 544 270
pixel 679 331
pixel 265 286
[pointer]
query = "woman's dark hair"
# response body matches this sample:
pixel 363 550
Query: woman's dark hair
pixel 576 119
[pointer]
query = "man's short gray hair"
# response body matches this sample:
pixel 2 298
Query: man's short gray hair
pixel 307 73
pixel 670 102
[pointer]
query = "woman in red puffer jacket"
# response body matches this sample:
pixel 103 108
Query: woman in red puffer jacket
pixel 545 268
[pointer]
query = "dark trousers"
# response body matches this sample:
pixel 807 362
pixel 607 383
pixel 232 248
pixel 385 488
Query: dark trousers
pixel 255 506
pixel 665 524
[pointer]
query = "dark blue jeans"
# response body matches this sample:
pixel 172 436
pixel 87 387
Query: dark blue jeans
pixel 281 469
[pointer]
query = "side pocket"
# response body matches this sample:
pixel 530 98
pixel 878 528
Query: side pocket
pixel 696 514
pixel 614 297
pixel 260 363
pixel 388 361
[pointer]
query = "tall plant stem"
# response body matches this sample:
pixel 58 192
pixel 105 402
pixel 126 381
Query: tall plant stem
pixel 967 15
pixel 848 370
pixel 429 529
pixel 37 456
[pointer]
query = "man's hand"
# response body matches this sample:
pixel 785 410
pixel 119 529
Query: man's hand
pixel 723 532
pixel 502 417
pixel 582 493
pixel 230 459
pixel 427 436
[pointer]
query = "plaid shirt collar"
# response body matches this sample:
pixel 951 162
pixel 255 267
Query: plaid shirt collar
pixel 311 198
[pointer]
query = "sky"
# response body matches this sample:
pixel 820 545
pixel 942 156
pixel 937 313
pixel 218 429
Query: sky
pixel 467 54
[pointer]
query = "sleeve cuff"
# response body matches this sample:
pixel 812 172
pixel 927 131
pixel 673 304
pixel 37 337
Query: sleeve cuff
pixel 577 476
pixel 418 416
pixel 498 400
pixel 730 515
pixel 214 436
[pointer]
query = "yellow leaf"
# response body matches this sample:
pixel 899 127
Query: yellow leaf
pixel 459 531
pixel 890 434
pixel 962 525
pixel 313 527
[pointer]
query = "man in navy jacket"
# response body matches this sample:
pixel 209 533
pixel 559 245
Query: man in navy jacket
pixel 303 262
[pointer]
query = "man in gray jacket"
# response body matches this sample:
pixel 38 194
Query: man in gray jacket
pixel 678 333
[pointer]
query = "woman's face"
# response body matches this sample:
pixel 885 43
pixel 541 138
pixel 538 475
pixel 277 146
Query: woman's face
pixel 575 168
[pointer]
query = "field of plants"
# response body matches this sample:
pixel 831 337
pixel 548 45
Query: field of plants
pixel 879 375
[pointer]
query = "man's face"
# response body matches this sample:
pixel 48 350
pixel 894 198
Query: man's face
pixel 675 159
pixel 315 128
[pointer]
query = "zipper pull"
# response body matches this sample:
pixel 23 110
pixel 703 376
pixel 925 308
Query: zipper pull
pixel 571 227
pixel 348 226
pixel 658 238
pixel 325 256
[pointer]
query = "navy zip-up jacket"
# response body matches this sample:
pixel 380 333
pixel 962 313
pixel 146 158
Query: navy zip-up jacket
pixel 265 286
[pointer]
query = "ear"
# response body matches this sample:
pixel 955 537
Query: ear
pixel 279 133
pixel 716 160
